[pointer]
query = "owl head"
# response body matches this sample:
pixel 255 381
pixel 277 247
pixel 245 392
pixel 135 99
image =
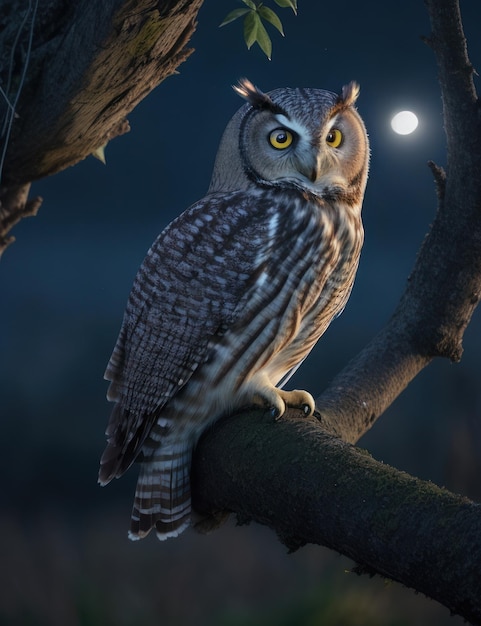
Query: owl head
pixel 306 138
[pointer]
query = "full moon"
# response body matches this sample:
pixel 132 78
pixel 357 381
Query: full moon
pixel 404 123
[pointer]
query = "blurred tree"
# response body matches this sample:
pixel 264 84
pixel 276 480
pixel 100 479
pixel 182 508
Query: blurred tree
pixel 89 65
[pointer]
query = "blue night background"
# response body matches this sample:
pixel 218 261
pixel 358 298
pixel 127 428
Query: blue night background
pixel 65 557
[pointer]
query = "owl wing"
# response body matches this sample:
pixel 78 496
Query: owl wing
pixel 190 288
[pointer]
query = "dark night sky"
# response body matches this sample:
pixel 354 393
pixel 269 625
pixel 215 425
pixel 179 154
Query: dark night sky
pixel 65 281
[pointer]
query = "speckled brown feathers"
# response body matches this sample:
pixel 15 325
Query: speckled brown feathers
pixel 236 291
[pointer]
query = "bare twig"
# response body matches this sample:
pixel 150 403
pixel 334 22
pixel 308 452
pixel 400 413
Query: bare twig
pixel 14 205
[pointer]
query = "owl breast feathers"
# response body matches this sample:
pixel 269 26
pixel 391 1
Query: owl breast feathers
pixel 235 292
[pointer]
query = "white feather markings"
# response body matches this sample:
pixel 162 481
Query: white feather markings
pixel 297 127
pixel 163 535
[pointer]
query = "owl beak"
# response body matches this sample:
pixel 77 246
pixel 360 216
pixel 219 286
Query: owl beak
pixel 310 168
pixel 310 172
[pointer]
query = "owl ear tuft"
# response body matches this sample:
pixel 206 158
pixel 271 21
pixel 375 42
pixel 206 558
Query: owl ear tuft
pixel 350 93
pixel 257 98
pixel 245 88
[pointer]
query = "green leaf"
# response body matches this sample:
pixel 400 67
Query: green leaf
pixel 233 15
pixel 250 4
pixel 264 40
pixel 251 25
pixel 271 17
pixel 287 3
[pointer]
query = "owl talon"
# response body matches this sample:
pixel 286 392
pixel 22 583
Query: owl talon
pixel 299 399
pixel 277 400
pixel 274 411
pixel 306 409
pixel 270 398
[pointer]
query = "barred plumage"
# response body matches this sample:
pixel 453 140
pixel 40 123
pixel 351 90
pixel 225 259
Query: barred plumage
pixel 235 292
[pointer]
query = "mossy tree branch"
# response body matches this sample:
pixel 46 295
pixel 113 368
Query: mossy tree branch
pixel 311 487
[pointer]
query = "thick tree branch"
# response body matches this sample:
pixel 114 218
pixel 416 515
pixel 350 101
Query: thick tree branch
pixel 361 392
pixel 90 64
pixel 455 73
pixel 311 487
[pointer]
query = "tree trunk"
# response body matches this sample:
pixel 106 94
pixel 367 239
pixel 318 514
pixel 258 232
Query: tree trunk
pixel 75 71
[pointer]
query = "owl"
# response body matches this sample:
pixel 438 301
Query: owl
pixel 235 292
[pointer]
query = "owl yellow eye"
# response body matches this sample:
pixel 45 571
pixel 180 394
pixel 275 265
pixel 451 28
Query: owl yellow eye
pixel 280 138
pixel 334 138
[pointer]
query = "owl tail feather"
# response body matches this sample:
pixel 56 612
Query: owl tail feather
pixel 162 497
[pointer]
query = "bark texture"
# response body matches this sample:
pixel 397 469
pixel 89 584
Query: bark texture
pixel 311 487
pixel 72 73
